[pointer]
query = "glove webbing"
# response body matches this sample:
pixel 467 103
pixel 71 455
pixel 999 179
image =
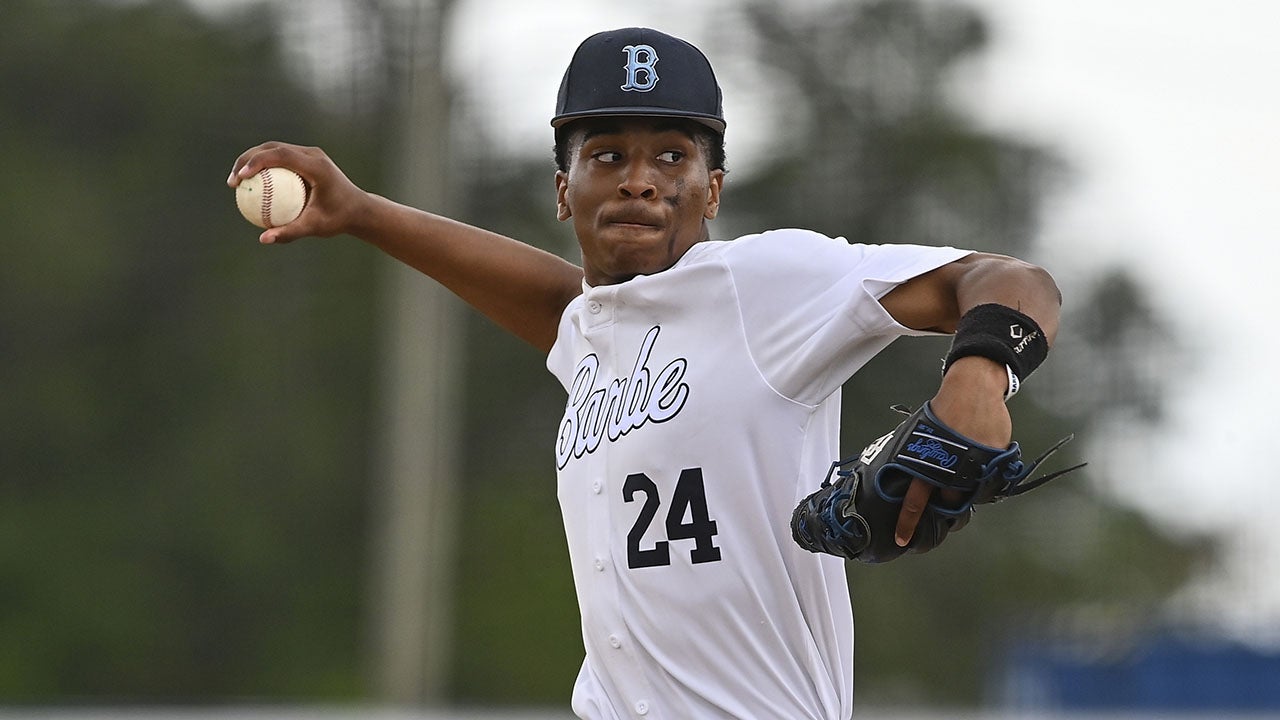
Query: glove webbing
pixel 843 529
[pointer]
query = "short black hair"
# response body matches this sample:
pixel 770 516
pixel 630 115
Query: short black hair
pixel 711 142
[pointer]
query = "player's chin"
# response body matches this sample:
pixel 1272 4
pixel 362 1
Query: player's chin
pixel 625 266
pixel 637 253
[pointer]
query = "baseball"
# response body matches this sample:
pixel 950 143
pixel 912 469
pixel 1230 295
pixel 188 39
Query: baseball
pixel 273 197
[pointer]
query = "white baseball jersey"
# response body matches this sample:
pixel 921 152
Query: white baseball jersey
pixel 703 404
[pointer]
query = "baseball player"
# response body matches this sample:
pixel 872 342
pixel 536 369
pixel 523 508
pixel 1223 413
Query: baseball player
pixel 702 382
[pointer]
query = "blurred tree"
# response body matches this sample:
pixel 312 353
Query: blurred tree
pixel 183 430
pixel 872 149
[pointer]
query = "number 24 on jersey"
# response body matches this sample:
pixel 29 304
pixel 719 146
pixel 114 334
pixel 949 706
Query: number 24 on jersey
pixel 689 499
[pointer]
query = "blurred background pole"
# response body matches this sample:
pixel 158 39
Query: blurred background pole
pixel 414 502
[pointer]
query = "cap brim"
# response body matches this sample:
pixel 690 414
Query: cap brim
pixel 711 122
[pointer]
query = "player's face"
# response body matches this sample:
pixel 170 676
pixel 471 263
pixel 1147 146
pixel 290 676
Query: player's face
pixel 639 193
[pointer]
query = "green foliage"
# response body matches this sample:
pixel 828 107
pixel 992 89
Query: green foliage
pixel 519 641
pixel 182 438
pixel 518 637
pixel 873 151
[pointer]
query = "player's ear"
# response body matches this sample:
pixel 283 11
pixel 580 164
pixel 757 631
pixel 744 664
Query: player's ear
pixel 713 195
pixel 562 190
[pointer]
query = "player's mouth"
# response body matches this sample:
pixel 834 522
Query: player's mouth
pixel 633 221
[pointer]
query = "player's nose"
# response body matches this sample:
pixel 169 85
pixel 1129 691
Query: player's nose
pixel 637 181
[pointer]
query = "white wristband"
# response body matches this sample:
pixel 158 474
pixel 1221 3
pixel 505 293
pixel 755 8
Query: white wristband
pixel 1014 384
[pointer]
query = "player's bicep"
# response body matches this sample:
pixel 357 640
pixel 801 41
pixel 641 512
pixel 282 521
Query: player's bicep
pixel 927 301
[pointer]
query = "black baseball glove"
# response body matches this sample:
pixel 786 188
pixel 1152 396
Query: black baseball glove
pixel 855 512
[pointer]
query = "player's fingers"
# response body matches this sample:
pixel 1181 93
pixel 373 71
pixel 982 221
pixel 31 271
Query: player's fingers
pixel 316 220
pixel 270 154
pixel 275 236
pixel 913 505
pixel 240 169
pixel 304 226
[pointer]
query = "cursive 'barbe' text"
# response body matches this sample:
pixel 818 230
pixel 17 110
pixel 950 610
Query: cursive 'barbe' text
pixel 595 411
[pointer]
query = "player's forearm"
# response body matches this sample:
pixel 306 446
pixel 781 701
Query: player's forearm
pixel 995 347
pixel 521 288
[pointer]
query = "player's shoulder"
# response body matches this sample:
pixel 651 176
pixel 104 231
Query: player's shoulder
pixel 781 240
pixel 782 247
pixel 797 247
pixel 777 253
pixel 788 238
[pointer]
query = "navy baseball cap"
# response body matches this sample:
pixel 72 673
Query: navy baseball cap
pixel 639 71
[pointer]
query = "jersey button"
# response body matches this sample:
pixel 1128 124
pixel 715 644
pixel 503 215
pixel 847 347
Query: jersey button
pixel 642 708
pixel 599 565
pixel 595 487
pixel 593 307
pixel 615 641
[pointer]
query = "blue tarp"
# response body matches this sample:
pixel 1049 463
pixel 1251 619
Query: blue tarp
pixel 1160 673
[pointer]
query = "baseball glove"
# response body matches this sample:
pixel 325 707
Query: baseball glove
pixel 855 512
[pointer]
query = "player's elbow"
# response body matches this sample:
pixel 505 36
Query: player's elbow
pixel 1043 278
pixel 1016 276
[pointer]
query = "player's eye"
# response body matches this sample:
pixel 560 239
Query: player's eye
pixel 606 156
pixel 671 156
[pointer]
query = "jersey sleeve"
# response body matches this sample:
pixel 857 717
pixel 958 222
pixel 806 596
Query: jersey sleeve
pixel 810 304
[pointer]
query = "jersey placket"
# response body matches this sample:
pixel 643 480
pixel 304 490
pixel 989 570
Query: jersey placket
pixel 612 640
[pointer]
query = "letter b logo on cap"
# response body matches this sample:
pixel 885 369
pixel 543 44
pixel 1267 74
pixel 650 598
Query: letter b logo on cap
pixel 641 74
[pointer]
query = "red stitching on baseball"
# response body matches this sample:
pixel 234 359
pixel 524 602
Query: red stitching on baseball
pixel 266 197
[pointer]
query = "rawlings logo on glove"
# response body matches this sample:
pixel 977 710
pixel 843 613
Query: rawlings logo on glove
pixel 855 512
pixel 932 449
